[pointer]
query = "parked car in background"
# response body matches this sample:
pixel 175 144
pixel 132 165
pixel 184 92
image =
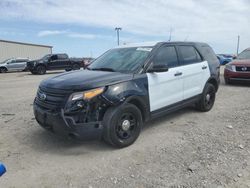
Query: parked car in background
pixel 225 58
pixel 54 62
pixel 13 64
pixel 126 87
pixel 239 68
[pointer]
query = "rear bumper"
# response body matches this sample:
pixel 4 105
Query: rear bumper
pixel 237 76
pixel 65 125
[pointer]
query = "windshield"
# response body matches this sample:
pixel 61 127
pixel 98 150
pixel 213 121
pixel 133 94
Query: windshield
pixel 125 60
pixel 46 56
pixel 6 61
pixel 244 55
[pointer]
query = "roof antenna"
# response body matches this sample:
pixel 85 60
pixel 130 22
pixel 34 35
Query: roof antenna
pixel 170 34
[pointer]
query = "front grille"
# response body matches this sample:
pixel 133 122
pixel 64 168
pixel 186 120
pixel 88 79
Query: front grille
pixel 51 99
pixel 242 69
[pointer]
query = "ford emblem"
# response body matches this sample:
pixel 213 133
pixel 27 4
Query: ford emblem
pixel 42 96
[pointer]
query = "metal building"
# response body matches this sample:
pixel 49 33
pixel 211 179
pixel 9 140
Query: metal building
pixel 11 49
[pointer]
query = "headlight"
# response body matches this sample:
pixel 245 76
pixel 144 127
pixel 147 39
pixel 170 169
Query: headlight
pixel 230 67
pixel 87 95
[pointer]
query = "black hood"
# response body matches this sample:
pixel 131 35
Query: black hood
pixel 84 79
pixel 35 60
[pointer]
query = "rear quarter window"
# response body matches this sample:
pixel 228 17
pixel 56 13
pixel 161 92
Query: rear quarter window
pixel 62 56
pixel 189 55
pixel 208 54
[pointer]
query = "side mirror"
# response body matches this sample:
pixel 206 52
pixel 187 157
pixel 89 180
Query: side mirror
pixel 158 68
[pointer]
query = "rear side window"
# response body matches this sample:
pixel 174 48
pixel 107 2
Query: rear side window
pixel 62 56
pixel 189 55
pixel 209 54
pixel 166 55
pixel 21 60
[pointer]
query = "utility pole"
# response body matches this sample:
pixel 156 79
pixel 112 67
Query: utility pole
pixel 238 44
pixel 118 36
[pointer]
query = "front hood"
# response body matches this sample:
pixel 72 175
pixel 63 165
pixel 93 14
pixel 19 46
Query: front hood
pixel 84 79
pixel 36 60
pixel 243 62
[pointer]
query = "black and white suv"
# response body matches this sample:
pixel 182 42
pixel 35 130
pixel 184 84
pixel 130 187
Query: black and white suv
pixel 126 87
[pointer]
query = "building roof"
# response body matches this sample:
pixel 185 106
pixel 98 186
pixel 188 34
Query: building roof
pixel 24 43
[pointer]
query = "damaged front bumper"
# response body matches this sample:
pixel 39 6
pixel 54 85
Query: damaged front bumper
pixel 63 125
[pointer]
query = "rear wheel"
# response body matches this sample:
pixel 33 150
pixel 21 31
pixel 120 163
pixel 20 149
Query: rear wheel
pixel 3 70
pixel 41 69
pixel 207 99
pixel 122 125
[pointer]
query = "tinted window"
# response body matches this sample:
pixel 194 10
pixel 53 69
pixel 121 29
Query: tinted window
pixel 62 56
pixel 166 55
pixel 244 55
pixel 12 61
pixel 189 54
pixel 21 60
pixel 54 57
pixel 209 54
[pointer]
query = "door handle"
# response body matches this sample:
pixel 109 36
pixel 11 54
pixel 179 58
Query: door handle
pixel 204 67
pixel 178 74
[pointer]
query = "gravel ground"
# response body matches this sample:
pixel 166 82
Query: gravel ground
pixel 184 149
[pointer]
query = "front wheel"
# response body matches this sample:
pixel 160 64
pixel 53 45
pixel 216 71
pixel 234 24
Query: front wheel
pixel 3 70
pixel 207 99
pixel 41 69
pixel 122 125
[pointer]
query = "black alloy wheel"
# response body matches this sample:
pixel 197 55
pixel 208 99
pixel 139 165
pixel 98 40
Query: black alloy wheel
pixel 41 69
pixel 122 125
pixel 207 99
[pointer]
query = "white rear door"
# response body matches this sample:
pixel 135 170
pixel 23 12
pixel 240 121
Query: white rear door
pixel 195 71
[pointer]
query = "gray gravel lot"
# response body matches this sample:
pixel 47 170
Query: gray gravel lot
pixel 183 149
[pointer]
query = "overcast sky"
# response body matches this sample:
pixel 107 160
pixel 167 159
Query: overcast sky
pixel 86 27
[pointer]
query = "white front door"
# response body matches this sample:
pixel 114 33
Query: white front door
pixel 165 88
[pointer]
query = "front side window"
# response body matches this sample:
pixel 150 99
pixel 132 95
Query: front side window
pixel 244 55
pixel 54 57
pixel 46 57
pixel 166 55
pixel 124 60
pixel 189 55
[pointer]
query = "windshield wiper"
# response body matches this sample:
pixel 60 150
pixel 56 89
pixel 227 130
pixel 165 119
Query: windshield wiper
pixel 104 69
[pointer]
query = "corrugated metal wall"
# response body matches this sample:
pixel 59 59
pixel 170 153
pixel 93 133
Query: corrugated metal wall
pixel 11 49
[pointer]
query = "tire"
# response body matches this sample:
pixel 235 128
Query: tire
pixel 122 125
pixel 40 69
pixel 75 67
pixel 207 99
pixel 3 70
